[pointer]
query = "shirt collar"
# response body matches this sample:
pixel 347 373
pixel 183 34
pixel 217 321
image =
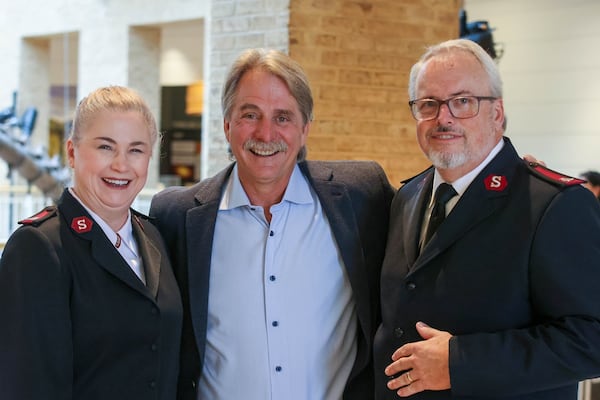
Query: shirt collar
pixel 126 231
pixel 462 183
pixel 297 191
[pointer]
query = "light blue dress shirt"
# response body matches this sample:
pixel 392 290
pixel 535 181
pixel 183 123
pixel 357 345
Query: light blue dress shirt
pixel 282 319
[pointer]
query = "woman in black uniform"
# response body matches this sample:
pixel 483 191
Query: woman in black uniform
pixel 89 306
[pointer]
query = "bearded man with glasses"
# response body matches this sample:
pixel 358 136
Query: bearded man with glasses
pixel 489 282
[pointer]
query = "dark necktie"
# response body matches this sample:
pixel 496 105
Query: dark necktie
pixel 443 193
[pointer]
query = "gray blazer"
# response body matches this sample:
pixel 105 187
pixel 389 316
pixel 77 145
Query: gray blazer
pixel 355 196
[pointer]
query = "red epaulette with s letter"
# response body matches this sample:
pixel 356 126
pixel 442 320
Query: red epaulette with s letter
pixel 40 217
pixel 553 177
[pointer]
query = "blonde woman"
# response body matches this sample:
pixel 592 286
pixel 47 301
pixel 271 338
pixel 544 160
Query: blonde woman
pixel 88 302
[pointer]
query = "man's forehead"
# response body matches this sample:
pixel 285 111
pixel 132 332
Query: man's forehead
pixel 457 73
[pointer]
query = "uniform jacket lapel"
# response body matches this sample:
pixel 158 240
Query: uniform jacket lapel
pixel 150 255
pixel 102 250
pixel 477 203
pixel 413 215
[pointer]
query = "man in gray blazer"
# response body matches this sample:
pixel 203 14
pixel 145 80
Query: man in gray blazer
pixel 277 258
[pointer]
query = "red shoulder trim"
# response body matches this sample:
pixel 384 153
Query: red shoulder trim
pixel 40 217
pixel 553 176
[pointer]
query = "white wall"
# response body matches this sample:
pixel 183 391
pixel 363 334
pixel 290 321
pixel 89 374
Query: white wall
pixel 94 19
pixel 111 42
pixel 551 72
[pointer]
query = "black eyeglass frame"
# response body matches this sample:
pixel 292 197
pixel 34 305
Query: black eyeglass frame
pixel 447 103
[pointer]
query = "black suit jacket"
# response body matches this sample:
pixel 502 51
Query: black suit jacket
pixel 513 272
pixel 77 323
pixel 355 197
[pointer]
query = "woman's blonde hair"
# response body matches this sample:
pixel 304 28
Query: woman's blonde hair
pixel 112 98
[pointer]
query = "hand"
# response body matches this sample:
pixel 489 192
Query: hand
pixel 424 364
pixel 532 159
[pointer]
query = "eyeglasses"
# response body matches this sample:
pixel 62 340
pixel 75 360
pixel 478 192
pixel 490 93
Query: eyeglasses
pixel 459 106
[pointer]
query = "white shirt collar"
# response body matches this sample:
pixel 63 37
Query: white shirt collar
pixel 462 183
pixel 126 231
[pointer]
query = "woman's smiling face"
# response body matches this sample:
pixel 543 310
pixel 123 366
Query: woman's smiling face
pixel 110 160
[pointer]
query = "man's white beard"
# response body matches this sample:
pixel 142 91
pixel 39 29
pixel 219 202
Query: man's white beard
pixel 443 160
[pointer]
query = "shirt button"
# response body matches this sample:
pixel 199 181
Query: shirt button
pixel 411 286
pixel 154 347
pixel 398 332
pixel 152 384
pixel 275 323
pixel 271 233
pixel 278 368
pixel 272 278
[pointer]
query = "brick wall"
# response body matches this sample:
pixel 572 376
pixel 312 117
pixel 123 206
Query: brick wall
pixel 358 54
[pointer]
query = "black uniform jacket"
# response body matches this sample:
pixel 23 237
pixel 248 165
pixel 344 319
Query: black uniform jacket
pixel 513 272
pixel 355 196
pixel 77 323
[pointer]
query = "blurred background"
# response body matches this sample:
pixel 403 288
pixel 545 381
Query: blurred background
pixel 357 55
